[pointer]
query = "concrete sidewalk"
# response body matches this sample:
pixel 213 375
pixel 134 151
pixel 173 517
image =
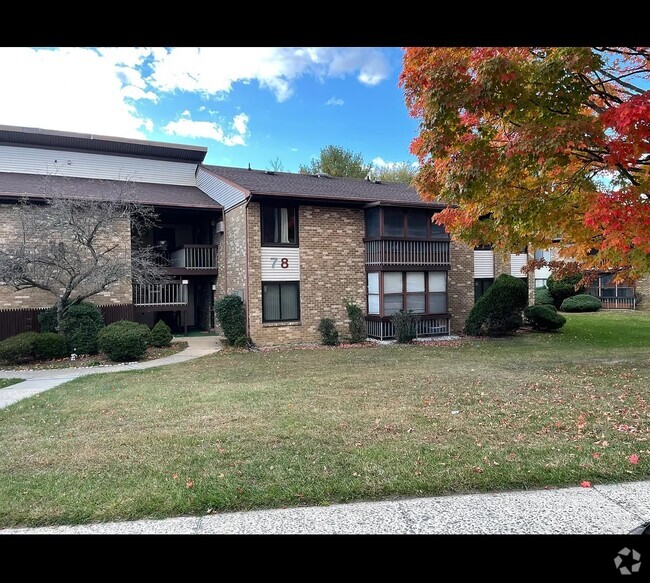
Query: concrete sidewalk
pixel 37 381
pixel 610 509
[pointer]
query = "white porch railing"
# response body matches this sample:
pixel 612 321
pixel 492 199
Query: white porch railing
pixel 164 294
pixel 618 303
pixel 195 257
pixel 386 252
pixel 426 326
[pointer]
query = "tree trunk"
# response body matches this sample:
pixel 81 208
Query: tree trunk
pixel 60 304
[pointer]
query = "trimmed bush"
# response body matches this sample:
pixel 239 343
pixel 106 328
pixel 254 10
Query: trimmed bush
pixel 243 342
pixel 328 333
pixel 358 332
pixel 82 336
pixel 123 340
pixel 139 328
pixel 49 345
pixel 543 297
pixel 232 319
pixel 406 326
pixel 562 289
pixel 544 317
pixel 161 334
pixel 18 349
pixel 581 303
pixel 498 311
pixel 47 319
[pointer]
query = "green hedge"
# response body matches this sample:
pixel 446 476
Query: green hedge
pixel 498 311
pixel 230 313
pixel 562 289
pixel 358 331
pixel 406 326
pixel 161 334
pixel 18 349
pixel 124 340
pixel 544 317
pixel 581 303
pixel 328 332
pixel 543 297
pixel 49 345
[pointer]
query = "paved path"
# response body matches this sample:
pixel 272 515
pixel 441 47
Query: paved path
pixel 37 381
pixel 611 509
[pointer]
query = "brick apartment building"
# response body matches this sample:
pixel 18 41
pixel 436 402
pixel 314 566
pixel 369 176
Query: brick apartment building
pixel 295 247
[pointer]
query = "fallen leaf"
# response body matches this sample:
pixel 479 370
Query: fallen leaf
pixel 634 459
pixel 175 476
pixel 189 484
pixel 585 484
pixel 595 455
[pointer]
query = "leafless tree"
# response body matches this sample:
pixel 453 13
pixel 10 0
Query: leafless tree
pixel 68 241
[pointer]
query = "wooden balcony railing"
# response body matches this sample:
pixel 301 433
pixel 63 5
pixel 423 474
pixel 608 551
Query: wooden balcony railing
pixel 412 253
pixel 195 257
pixel 164 294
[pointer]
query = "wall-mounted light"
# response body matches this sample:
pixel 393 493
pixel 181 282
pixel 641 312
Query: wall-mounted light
pixel 214 287
pixel 185 281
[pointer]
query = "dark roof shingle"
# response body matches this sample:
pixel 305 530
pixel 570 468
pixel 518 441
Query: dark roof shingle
pixel 307 185
pixel 35 185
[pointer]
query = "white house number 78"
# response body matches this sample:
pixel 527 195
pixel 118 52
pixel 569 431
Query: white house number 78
pixel 284 262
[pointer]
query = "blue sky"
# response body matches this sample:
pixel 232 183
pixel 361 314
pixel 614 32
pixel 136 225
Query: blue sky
pixel 247 105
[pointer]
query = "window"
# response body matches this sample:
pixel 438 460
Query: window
pixel 437 292
pixel 373 293
pixel 543 254
pixel 393 292
pixel 393 222
pixel 372 222
pixel 481 285
pixel 541 282
pixel 280 301
pixel 416 223
pixel 419 291
pixel 279 225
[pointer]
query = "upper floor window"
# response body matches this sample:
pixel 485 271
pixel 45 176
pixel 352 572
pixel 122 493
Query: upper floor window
pixel 542 254
pixel 279 225
pixel 397 223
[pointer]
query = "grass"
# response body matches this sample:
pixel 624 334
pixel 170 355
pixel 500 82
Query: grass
pixel 8 382
pixel 239 430
pixel 100 359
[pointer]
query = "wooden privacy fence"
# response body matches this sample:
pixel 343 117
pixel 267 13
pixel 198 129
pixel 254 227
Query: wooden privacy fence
pixel 15 321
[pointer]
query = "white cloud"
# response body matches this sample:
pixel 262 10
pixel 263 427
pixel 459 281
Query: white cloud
pixel 100 90
pixel 240 121
pixel 334 101
pixel 294 149
pixel 379 162
pixel 213 70
pixel 186 127
pixel 74 89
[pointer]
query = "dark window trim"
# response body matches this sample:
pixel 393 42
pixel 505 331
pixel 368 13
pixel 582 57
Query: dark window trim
pixel 430 236
pixel 296 209
pixel 280 283
pixel 404 293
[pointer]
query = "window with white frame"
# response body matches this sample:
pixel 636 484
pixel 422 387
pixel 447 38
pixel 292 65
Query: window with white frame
pixel 421 292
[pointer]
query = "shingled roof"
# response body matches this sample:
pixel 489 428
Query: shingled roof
pixel 263 182
pixel 38 186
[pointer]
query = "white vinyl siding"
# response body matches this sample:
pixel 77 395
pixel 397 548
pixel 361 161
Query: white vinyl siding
pixel 226 195
pixel 101 166
pixel 483 264
pixel 517 261
pixel 280 264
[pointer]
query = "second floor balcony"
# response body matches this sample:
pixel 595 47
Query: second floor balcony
pixel 385 252
pixel 195 257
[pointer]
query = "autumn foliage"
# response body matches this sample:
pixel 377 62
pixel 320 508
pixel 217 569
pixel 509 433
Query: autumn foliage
pixel 532 144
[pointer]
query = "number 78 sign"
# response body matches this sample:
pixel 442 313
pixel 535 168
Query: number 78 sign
pixel 280 264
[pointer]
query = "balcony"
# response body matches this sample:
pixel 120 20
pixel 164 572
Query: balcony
pixel 165 294
pixel 407 253
pixel 383 328
pixel 194 257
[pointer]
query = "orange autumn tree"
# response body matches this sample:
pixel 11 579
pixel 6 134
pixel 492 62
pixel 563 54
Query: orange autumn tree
pixel 531 144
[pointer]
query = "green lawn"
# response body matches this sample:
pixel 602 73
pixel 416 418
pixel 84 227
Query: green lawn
pixel 239 430
pixel 8 382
